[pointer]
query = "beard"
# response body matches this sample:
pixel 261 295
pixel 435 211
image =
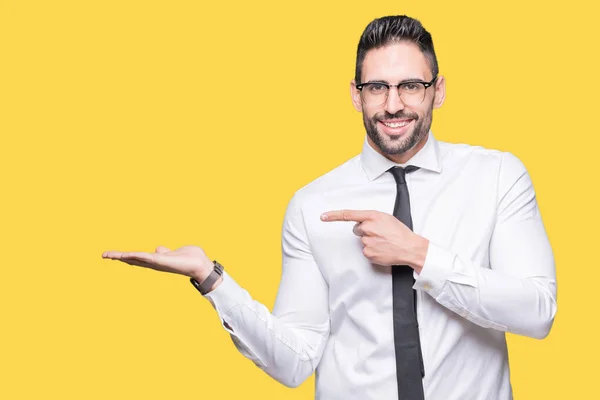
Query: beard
pixel 395 145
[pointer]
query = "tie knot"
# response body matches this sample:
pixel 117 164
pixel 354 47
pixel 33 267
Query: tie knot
pixel 399 173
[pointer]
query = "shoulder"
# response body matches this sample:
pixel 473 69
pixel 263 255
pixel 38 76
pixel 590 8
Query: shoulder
pixel 461 154
pixel 501 172
pixel 348 173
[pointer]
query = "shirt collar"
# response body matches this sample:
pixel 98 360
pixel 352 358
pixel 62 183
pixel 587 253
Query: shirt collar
pixel 376 164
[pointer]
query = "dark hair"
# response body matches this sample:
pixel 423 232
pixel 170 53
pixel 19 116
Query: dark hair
pixel 394 29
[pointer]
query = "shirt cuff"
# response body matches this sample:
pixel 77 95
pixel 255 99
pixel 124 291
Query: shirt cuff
pixel 227 295
pixel 437 269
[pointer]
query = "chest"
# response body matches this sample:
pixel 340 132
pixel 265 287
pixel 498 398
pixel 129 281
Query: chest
pixel 456 211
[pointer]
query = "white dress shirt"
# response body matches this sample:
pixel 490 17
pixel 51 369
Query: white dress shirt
pixel 489 269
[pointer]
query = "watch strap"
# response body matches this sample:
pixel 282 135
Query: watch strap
pixel 205 286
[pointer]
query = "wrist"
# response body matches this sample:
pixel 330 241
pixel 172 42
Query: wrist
pixel 201 274
pixel 207 279
pixel 216 284
pixel 419 253
pixel 213 287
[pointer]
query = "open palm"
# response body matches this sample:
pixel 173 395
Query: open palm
pixel 186 260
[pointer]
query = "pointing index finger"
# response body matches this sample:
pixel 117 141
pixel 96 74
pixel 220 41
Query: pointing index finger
pixel 346 215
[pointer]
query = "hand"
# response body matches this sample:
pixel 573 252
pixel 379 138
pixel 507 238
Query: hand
pixel 188 260
pixel 386 240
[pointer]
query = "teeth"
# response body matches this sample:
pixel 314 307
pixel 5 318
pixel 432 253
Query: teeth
pixel 396 124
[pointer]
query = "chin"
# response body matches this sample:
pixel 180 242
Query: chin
pixel 395 145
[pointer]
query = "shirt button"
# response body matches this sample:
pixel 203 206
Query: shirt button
pixel 427 286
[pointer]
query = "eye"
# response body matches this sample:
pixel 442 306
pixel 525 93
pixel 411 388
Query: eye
pixel 412 86
pixel 376 88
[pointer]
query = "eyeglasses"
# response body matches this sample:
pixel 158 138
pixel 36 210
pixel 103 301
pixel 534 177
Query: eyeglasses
pixel 412 93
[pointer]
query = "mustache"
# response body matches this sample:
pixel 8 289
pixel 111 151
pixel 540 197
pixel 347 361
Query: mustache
pixel 399 115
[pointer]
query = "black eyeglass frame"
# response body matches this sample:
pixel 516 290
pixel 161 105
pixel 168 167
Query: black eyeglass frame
pixel 360 86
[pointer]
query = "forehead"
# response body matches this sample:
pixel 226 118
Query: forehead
pixel 395 62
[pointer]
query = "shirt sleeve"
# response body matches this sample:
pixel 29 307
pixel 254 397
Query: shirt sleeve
pixel 518 292
pixel 288 343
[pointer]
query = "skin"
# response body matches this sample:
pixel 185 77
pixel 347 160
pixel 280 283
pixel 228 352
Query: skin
pixel 386 240
pixel 392 64
pixel 187 260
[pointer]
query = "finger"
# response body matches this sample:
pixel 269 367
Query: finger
pixel 115 255
pixel 138 260
pixel 347 215
pixel 130 255
pixel 158 261
pixel 149 258
pixel 162 249
pixel 138 255
pixel 139 263
pixel 365 240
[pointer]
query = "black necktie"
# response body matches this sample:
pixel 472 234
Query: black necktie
pixel 409 360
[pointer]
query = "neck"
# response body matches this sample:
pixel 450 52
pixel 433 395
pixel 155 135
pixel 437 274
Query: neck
pixel 404 157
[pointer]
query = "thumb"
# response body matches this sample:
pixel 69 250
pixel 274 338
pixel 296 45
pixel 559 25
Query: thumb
pixel 162 249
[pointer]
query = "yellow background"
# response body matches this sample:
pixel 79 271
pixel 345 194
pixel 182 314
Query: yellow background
pixel 131 124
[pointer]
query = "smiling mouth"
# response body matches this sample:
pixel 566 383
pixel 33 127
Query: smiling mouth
pixel 398 124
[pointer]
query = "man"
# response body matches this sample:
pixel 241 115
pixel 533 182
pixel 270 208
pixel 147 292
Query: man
pixel 402 268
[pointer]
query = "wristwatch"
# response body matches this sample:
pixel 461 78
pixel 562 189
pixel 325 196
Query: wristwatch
pixel 205 286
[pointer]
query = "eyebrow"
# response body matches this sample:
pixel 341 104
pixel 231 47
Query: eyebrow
pixel 402 81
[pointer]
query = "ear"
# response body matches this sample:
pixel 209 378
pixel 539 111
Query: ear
pixel 440 92
pixel 355 94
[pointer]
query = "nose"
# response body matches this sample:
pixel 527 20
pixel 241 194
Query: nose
pixel 393 103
